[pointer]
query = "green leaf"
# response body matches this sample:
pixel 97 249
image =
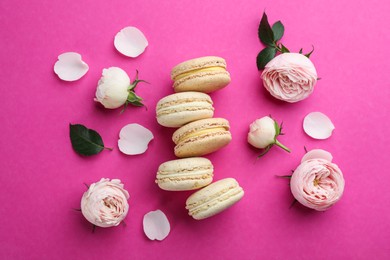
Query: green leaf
pixel 85 141
pixel 308 54
pixel 264 57
pixel 265 33
pixel 284 49
pixel 136 81
pixel 300 51
pixel 265 151
pixel 277 129
pixel 134 99
pixel 137 103
pixel 278 30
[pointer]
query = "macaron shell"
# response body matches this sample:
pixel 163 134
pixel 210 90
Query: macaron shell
pixel 185 174
pixel 203 145
pixel 199 125
pixel 197 63
pixel 214 198
pixel 203 82
pixel 181 108
pixel 205 142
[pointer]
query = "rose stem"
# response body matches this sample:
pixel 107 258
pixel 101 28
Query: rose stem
pixel 282 146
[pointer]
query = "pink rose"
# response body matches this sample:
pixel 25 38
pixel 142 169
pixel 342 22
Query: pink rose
pixel 290 77
pixel 104 204
pixel 317 184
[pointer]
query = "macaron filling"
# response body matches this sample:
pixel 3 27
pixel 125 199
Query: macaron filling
pixel 205 204
pixel 203 174
pixel 195 71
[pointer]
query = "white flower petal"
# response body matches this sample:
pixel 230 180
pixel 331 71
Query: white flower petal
pixel 130 41
pixel 70 66
pixel 318 125
pixel 317 154
pixel 134 139
pixel 156 225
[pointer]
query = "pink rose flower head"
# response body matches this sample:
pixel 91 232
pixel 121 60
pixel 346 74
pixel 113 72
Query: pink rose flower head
pixel 104 204
pixel 290 77
pixel 317 183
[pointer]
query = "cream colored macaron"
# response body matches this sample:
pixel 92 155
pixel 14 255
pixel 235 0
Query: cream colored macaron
pixel 205 74
pixel 181 108
pixel 201 137
pixel 185 174
pixel 214 198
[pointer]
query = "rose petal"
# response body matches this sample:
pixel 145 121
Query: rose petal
pixel 318 125
pixel 134 139
pixel 70 66
pixel 130 41
pixel 317 154
pixel 156 225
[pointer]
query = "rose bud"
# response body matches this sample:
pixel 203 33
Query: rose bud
pixel 290 77
pixel 104 204
pixel 263 132
pixel 317 183
pixel 114 89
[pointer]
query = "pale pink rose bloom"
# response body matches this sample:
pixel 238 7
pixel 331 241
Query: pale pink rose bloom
pixel 262 132
pixel 317 184
pixel 290 77
pixel 104 204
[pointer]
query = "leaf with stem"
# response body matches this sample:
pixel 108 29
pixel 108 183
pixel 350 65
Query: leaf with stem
pixel 85 141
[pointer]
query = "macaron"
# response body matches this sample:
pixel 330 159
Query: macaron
pixel 185 174
pixel 214 198
pixel 201 137
pixel 181 108
pixel 205 74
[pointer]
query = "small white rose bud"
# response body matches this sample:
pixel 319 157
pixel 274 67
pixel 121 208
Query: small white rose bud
pixel 112 89
pixel 115 89
pixel 263 133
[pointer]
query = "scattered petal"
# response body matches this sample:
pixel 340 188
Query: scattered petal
pixel 318 125
pixel 317 154
pixel 134 139
pixel 130 41
pixel 156 225
pixel 70 66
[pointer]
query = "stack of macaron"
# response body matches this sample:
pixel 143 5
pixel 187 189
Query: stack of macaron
pixel 191 110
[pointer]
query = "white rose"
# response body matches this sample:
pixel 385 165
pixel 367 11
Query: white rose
pixel 112 90
pixel 290 77
pixel 104 204
pixel 263 132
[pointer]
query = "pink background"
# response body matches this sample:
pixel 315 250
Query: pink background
pixel 42 177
